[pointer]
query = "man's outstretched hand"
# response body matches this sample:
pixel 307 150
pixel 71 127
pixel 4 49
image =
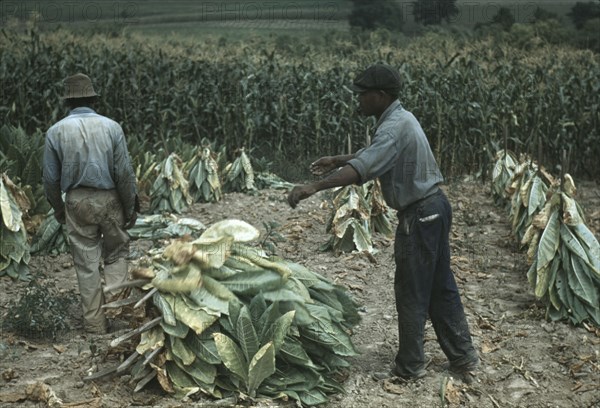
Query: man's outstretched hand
pixel 323 165
pixel 299 193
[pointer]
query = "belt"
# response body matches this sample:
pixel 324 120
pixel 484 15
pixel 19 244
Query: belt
pixel 415 204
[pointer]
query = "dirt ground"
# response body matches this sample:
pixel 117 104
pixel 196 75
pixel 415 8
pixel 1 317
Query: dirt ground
pixel 526 361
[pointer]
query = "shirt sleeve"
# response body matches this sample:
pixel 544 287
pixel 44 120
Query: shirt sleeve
pixel 376 159
pixel 124 176
pixel 51 174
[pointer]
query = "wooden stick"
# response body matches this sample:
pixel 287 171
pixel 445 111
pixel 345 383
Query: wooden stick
pixel 100 374
pixel 145 381
pixel 151 356
pixel 119 303
pixel 136 282
pixel 146 297
pixel 127 363
pixel 141 329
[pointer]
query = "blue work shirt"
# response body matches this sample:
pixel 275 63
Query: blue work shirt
pixel 86 149
pixel 400 156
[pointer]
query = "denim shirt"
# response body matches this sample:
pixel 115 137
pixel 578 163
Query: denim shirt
pixel 400 156
pixel 86 149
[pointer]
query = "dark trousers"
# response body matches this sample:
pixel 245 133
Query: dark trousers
pixel 424 285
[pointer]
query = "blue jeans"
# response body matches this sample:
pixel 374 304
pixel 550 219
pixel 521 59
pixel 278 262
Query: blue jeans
pixel 425 286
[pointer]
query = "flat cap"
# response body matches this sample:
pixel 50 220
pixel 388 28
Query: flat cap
pixel 379 77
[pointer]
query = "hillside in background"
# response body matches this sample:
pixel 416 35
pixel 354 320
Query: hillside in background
pixel 238 18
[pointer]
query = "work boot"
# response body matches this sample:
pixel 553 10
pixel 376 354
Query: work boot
pixel 393 373
pixel 465 373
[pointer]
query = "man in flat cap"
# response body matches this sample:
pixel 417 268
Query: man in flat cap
pixel 400 156
pixel 86 157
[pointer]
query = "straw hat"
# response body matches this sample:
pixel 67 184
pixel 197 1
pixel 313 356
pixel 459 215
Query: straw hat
pixel 79 86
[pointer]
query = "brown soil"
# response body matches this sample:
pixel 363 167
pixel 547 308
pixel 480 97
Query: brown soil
pixel 526 361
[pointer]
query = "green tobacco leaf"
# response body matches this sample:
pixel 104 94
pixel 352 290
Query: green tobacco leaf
pixel 179 349
pixel 258 306
pixel 362 238
pixel 552 287
pixel 11 214
pixel 250 283
pixel 204 349
pixel 213 254
pixel 151 340
pixel 215 288
pixel 323 331
pixel 296 286
pixel 312 397
pixel 537 195
pixel 178 376
pixel 46 235
pixel 281 329
pixel 206 299
pixel 165 309
pixel 581 283
pixel 591 246
pixel 293 352
pixel 267 322
pixel 549 241
pixel 281 295
pixel 300 272
pixel 546 276
pixel 232 356
pixel 197 320
pixel 577 249
pixel 246 334
pixel 239 230
pixel 179 330
pixel 201 371
pixel 261 366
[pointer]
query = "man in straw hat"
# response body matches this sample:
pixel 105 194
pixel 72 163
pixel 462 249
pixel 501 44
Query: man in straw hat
pixel 401 158
pixel 86 157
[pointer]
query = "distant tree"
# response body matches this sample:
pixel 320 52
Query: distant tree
pixel 373 14
pixel 434 11
pixel 504 17
pixel 582 12
pixel 541 14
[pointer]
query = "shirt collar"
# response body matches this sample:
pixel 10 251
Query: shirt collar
pixel 80 110
pixel 393 106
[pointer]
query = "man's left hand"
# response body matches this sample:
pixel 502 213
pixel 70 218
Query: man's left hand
pixel 299 193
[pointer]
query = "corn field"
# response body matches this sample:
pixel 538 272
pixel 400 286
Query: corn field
pixel 290 107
